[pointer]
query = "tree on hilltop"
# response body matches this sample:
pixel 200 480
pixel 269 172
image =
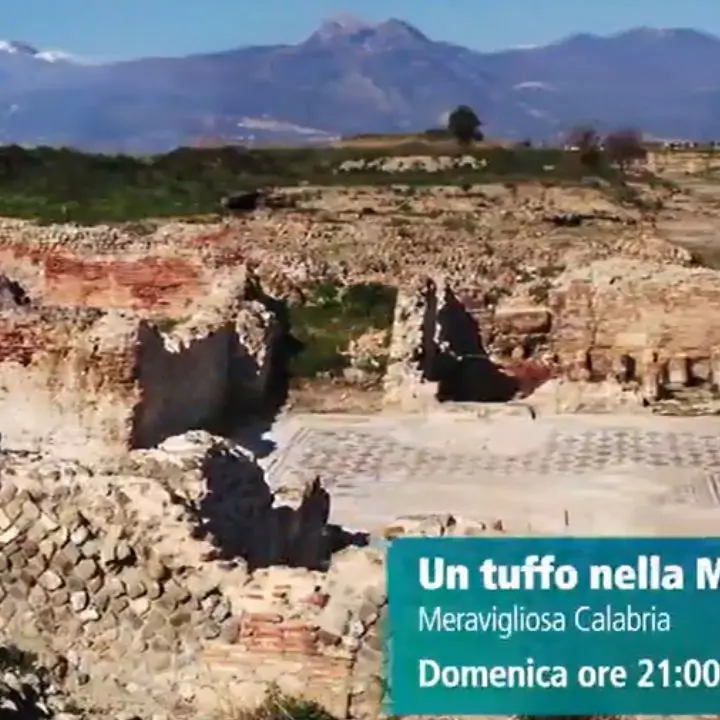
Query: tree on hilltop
pixel 464 125
pixel 624 146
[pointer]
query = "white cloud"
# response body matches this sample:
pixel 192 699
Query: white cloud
pixel 533 85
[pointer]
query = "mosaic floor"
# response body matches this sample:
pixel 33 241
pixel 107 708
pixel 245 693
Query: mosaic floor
pixel 408 464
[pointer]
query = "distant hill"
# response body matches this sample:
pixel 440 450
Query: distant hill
pixel 353 77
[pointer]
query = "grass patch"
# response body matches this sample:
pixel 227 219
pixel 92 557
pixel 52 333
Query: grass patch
pixel 332 317
pixel 61 185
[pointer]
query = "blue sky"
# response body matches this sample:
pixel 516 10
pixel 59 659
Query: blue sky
pixel 116 29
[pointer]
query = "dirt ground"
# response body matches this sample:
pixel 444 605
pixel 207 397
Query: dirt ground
pixel 334 396
pixel 691 217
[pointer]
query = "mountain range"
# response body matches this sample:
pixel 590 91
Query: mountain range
pixel 352 77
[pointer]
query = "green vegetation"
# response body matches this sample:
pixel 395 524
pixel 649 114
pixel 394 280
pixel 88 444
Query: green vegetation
pixel 332 317
pixel 52 185
pixel 277 706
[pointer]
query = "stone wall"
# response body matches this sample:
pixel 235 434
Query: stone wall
pixel 87 382
pixel 168 581
pixel 442 349
pixel 412 349
pixel 196 303
pixel 314 635
pixel 146 266
pixel 117 575
pixel 686 162
pixel 163 285
pixel 23 263
pixel 261 350
pixel 626 317
pixel 630 322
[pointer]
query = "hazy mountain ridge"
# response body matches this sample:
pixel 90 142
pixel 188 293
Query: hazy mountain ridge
pixel 350 76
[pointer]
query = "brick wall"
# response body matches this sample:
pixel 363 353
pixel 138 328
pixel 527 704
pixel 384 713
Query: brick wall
pixel 79 379
pixel 279 640
pixel 163 285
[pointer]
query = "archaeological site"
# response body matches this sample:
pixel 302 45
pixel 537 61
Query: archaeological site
pixel 186 525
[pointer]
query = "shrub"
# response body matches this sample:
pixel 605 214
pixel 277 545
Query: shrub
pixel 332 317
pixel 623 147
pixel 278 706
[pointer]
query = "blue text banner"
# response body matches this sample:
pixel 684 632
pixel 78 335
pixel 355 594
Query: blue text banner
pixel 553 626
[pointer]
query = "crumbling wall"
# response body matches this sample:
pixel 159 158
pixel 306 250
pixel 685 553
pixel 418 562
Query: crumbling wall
pixel 260 352
pixel 412 348
pixel 24 263
pixel 644 326
pixel 222 493
pixel 184 382
pixel 161 284
pixel 82 379
pixel 68 379
pixel 437 352
pixel 682 161
pixel 168 580
pixel 108 575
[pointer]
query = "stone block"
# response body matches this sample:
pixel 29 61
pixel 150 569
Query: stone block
pixel 7 536
pixel 5 521
pixel 79 600
pixel 519 321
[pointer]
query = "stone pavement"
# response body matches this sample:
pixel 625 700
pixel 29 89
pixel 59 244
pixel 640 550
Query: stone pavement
pixel 577 474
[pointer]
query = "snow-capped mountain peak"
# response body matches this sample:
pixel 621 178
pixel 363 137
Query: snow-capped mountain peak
pixel 13 47
pixel 55 56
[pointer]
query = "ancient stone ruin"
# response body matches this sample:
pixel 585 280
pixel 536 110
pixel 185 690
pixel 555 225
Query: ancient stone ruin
pixel 171 570
pixel 152 580
pixel 145 561
pixel 106 376
pixel 145 555
pixel 621 333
